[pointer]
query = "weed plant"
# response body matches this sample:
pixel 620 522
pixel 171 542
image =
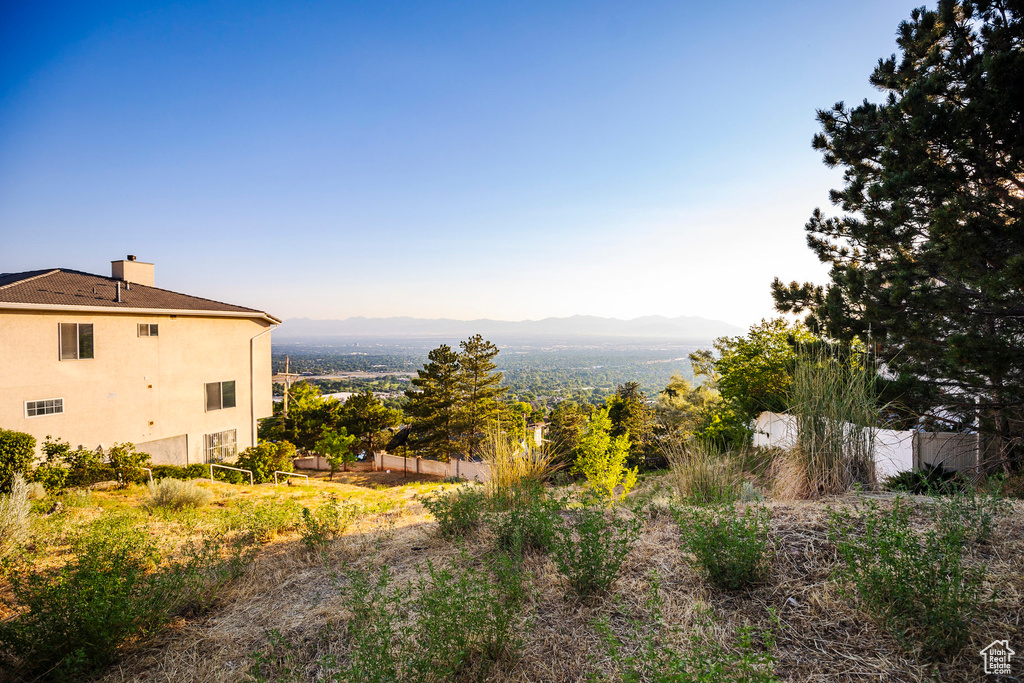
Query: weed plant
pixel 732 549
pixel 930 480
pixel 175 494
pixel 706 661
pixel 327 522
pixel 457 512
pixel 466 622
pixel 700 474
pixel 589 546
pixel 915 585
pixel 973 512
pixel 523 518
pixel 260 522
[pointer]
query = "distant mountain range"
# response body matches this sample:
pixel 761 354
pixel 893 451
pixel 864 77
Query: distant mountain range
pixel 648 327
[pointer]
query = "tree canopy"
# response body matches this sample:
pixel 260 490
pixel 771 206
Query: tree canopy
pixel 927 254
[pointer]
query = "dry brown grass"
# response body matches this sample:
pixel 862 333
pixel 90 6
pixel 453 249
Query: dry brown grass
pixel 822 637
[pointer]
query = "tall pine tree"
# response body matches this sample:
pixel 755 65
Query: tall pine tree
pixel 928 254
pixel 480 386
pixel 435 405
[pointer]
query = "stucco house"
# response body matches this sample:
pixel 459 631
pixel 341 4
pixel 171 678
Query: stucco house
pixel 97 360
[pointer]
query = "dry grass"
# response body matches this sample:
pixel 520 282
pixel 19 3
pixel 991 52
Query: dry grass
pixel 512 462
pixel 700 474
pixel 821 636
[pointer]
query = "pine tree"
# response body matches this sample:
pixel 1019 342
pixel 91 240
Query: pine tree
pixel 435 405
pixel 928 255
pixel 481 389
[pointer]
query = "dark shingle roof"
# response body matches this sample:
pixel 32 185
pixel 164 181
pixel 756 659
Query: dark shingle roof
pixel 62 287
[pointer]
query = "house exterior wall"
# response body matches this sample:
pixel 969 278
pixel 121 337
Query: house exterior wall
pixel 137 389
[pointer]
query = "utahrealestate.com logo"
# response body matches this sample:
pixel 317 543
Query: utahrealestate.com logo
pixel 997 657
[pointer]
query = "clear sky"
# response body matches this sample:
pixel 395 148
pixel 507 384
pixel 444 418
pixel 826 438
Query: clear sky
pixel 507 160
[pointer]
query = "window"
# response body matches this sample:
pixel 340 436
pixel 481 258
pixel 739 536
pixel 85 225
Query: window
pixel 75 341
pixel 220 446
pixel 149 330
pixel 220 395
pixel 47 406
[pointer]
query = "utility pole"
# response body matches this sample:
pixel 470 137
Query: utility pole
pixel 287 384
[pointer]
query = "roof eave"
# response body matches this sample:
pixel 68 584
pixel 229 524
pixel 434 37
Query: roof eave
pixel 257 315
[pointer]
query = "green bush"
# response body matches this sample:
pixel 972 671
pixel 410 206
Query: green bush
pixel 467 621
pixel 327 522
pixel 86 467
pixel 53 472
pixel 929 481
pixel 457 512
pixel 732 549
pixel 176 494
pixel 260 522
pixel 17 451
pixel 128 464
pixel 915 585
pixel 71 620
pixel 975 513
pixel 523 518
pixel 265 458
pixel 590 545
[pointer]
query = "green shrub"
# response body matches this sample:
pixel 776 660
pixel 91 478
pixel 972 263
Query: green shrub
pixel 467 621
pixel 929 481
pixel 17 451
pixel 53 472
pixel 972 512
pixel 589 546
pixel 127 464
pixel 732 549
pixel 260 522
pixel 915 585
pixel 523 518
pixel 86 467
pixel 327 522
pixel 176 494
pixel 71 620
pixel 14 510
pixel 457 512
pixel 265 458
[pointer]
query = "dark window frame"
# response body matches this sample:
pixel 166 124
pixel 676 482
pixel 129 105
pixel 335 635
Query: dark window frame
pixel 151 329
pixel 220 395
pixel 82 339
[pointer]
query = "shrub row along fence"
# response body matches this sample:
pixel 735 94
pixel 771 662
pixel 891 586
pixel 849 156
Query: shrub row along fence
pixel 894 451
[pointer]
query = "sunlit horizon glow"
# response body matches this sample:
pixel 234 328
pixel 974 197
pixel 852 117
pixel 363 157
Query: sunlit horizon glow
pixel 329 160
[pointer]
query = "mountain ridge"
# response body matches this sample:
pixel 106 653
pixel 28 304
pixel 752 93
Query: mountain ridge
pixel 644 327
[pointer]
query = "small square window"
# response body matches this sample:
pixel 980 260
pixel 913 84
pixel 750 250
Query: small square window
pixel 149 330
pixel 46 406
pixel 221 446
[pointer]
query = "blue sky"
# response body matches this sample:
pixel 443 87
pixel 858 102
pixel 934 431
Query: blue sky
pixel 503 160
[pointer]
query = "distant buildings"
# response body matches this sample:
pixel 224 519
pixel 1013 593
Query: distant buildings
pixel 100 360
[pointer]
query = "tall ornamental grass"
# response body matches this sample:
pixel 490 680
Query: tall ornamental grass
pixel 836 411
pixel 700 474
pixel 513 464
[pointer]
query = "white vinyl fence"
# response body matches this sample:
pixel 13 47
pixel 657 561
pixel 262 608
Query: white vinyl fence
pixel 473 471
pixel 894 451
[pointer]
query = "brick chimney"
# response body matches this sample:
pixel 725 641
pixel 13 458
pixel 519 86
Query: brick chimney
pixel 133 271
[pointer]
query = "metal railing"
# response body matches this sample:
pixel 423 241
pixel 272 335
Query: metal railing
pixel 150 473
pixel 289 474
pixel 226 467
